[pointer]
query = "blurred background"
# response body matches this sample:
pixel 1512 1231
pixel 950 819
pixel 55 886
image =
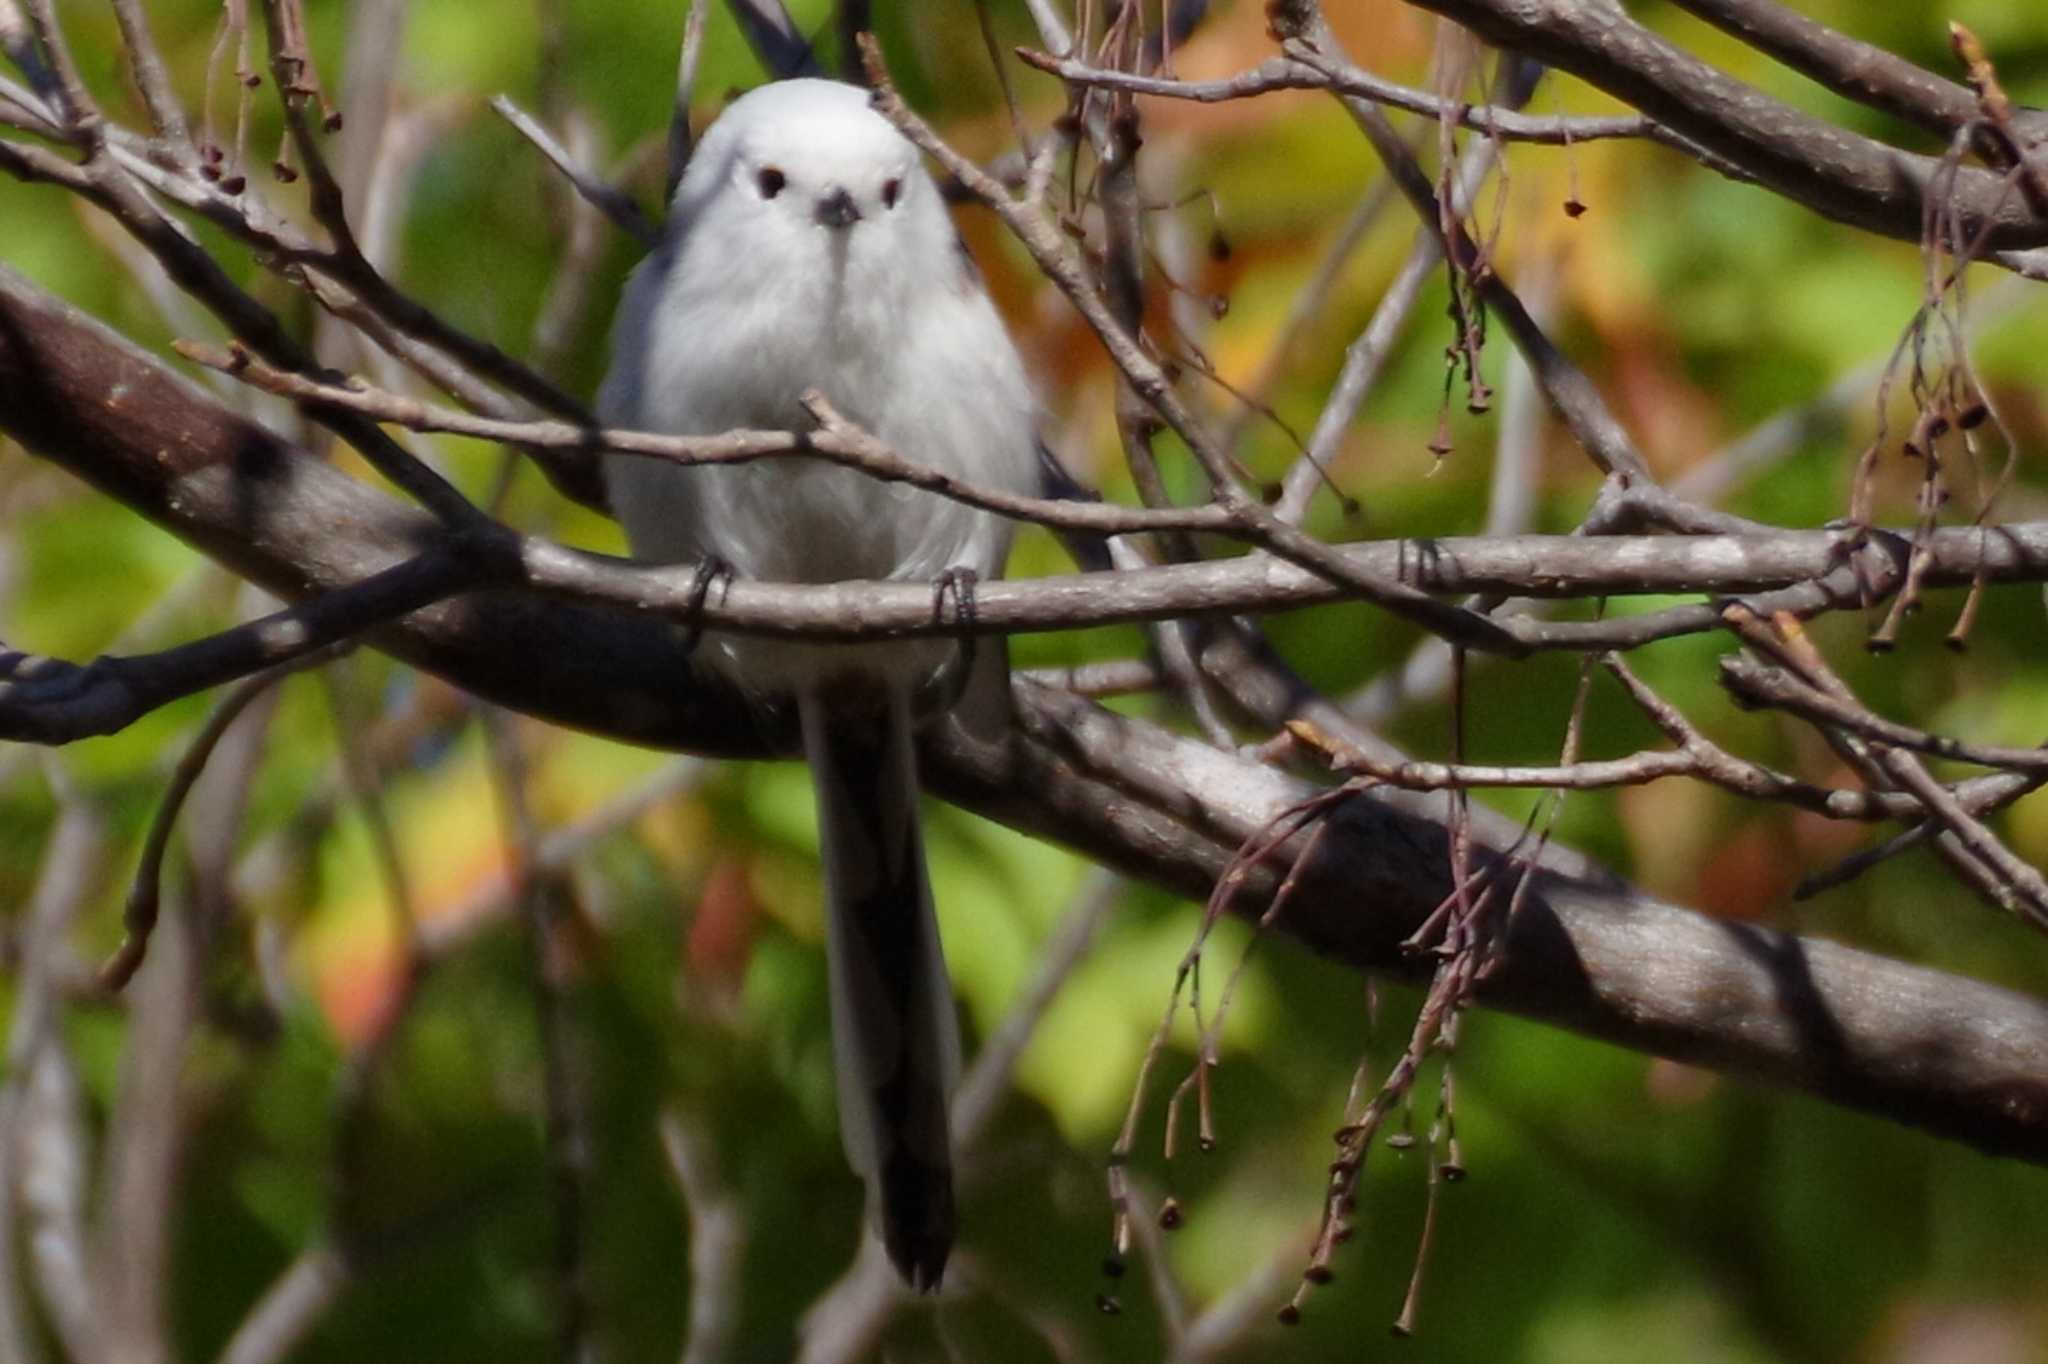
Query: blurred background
pixel 355 1079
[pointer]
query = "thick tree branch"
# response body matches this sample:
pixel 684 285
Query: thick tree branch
pixel 1809 161
pixel 1915 1045
pixel 80 396
pixel 1848 66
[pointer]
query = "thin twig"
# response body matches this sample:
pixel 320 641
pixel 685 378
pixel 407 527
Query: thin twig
pixel 290 1307
pixel 139 915
pixel 1758 685
pixel 1311 302
pixel 615 204
pixel 1971 847
pixel 146 1133
pixel 718 1241
pixel 692 52
pixel 776 40
pixel 1287 73
pixel 44 700
pixel 1570 391
pixel 166 114
pixel 43 1146
pixel 1052 253
pixel 560 322
pixel 836 438
pixel 19 41
pixel 80 112
pixel 543 898
pixel 1367 354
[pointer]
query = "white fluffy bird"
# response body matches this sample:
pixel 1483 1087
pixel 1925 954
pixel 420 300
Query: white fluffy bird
pixel 807 248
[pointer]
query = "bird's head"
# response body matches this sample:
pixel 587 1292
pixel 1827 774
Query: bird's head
pixel 809 157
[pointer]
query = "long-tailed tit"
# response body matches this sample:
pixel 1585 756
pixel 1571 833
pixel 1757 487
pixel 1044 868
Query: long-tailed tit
pixel 807 249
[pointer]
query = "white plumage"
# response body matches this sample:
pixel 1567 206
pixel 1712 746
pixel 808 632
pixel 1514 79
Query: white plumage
pixel 806 248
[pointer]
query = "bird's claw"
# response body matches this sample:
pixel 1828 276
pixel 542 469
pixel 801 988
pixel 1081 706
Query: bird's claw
pixel 958 583
pixel 712 568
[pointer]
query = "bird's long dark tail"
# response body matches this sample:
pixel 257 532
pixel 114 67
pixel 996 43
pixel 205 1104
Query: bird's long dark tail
pixel 895 1040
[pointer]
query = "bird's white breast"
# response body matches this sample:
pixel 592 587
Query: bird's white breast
pixel 711 341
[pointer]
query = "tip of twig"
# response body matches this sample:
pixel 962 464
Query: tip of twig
pixel 871 65
pixel 114 975
pixel 819 407
pixel 212 357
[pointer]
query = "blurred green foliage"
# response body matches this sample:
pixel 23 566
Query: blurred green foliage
pixel 1618 1208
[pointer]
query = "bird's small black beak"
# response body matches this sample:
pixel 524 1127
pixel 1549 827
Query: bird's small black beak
pixel 837 209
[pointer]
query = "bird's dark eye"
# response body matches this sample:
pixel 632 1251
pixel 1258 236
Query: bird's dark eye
pixel 892 190
pixel 771 181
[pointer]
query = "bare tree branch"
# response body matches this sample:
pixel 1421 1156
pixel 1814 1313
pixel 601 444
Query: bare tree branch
pixel 1862 71
pixel 1288 73
pixel 718 1240
pixel 45 700
pixel 43 1155
pixel 139 915
pixel 679 136
pixel 1838 174
pixel 289 1308
pixel 146 1133
pixel 615 204
pixel 1911 1044
pixel 165 112
pixel 543 899
pixel 197 495
pixel 775 38
pixel 1571 393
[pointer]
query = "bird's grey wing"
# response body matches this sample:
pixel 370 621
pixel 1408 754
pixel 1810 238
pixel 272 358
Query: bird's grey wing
pixel 619 396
